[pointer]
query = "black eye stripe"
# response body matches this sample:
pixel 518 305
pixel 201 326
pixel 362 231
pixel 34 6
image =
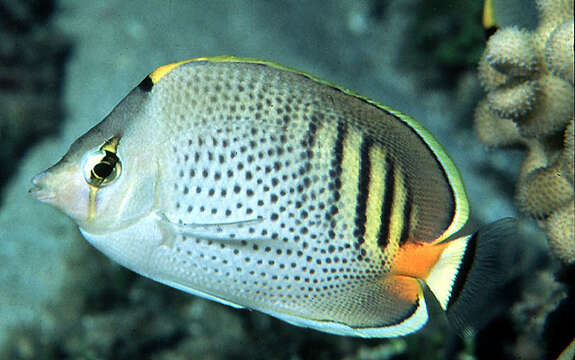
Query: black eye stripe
pixel 105 170
pixel 102 170
pixel 106 166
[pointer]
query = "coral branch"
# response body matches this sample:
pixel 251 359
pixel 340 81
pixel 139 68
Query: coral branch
pixel 528 77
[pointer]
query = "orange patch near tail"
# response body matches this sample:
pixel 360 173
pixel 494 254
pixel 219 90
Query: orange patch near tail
pixel 417 260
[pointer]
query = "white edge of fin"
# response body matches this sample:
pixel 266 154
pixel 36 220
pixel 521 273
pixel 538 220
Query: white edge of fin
pixel 407 326
pixel 442 276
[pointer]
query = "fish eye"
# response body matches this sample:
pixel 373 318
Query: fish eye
pixel 101 167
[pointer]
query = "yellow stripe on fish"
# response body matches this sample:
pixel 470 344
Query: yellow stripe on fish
pixel 375 199
pixel 260 186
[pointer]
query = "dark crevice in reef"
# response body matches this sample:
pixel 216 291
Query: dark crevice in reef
pixel 32 59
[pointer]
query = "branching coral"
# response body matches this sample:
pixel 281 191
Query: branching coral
pixel 528 76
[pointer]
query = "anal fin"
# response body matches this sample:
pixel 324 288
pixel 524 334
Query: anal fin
pixel 380 307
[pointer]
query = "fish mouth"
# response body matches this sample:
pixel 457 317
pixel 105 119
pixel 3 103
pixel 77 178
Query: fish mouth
pixel 39 190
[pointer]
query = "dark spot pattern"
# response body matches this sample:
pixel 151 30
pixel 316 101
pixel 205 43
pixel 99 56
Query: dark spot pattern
pixel 256 187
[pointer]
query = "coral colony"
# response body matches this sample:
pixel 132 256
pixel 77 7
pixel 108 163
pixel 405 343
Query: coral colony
pixel 528 76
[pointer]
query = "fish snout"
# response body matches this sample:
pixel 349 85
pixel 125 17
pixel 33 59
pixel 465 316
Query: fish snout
pixel 40 190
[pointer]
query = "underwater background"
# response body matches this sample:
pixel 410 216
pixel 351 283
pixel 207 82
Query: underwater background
pixel 65 64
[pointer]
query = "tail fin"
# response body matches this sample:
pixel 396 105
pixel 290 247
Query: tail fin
pixel 470 272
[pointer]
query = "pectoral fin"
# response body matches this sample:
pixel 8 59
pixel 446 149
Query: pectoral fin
pixel 217 231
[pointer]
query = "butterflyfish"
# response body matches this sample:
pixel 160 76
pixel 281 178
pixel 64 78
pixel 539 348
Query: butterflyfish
pixel 259 186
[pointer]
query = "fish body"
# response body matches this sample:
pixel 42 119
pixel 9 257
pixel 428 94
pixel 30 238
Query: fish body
pixel 259 186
